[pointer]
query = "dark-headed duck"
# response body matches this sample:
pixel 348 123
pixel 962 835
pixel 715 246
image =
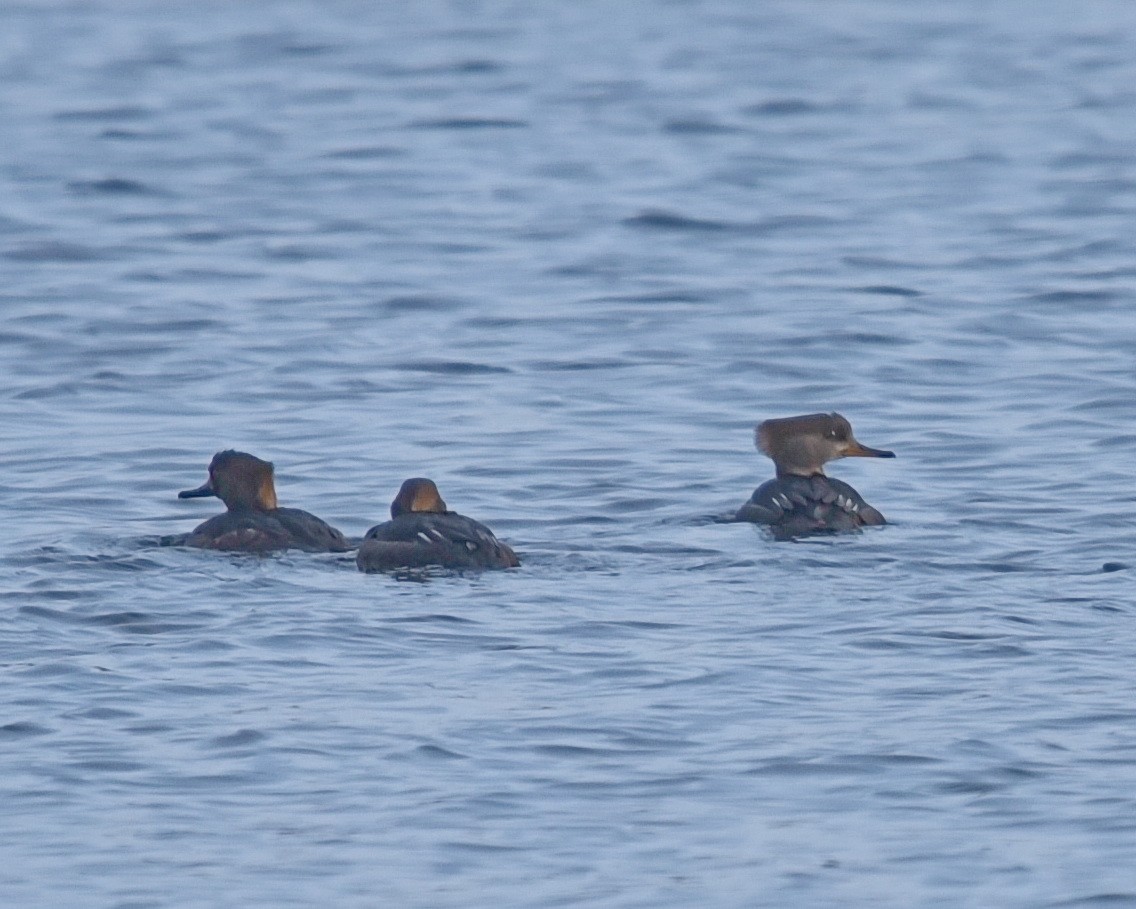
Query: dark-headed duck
pixel 801 500
pixel 253 521
pixel 422 533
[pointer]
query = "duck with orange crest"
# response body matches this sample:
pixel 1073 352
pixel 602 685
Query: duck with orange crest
pixel 253 521
pixel 801 499
pixel 422 533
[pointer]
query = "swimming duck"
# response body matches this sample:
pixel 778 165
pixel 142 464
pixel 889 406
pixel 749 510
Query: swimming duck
pixel 254 522
pixel 801 499
pixel 422 532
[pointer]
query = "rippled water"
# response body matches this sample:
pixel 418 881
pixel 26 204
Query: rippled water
pixel 561 259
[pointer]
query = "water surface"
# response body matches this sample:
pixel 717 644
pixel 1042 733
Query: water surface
pixel 561 259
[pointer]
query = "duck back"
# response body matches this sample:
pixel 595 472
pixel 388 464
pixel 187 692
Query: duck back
pixel 247 530
pixel 794 506
pixel 422 539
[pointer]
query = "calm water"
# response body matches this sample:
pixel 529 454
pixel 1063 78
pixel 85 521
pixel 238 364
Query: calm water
pixel 561 258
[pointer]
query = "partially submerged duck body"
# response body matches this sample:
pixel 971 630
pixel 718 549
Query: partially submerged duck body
pixel 253 521
pixel 797 506
pixel 801 499
pixel 422 533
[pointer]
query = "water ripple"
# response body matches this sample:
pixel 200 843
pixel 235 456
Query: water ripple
pixel 562 259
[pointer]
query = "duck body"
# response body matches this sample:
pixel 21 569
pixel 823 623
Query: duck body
pixel 253 521
pixel 243 530
pixel 796 506
pixel 801 500
pixel 422 533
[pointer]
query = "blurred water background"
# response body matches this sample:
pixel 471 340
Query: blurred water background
pixel 562 258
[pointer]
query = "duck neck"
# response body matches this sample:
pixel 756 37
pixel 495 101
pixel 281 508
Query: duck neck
pixel 786 472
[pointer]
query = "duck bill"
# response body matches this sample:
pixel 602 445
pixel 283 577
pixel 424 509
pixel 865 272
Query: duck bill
pixel 856 450
pixel 205 489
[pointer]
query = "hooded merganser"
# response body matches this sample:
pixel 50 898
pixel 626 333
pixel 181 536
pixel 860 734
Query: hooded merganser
pixel 421 533
pixel 801 499
pixel 254 522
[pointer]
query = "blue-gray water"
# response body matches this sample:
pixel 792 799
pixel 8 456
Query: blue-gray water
pixel 561 258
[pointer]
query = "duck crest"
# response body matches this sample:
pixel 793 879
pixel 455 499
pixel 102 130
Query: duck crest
pixel 242 480
pixel 418 495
